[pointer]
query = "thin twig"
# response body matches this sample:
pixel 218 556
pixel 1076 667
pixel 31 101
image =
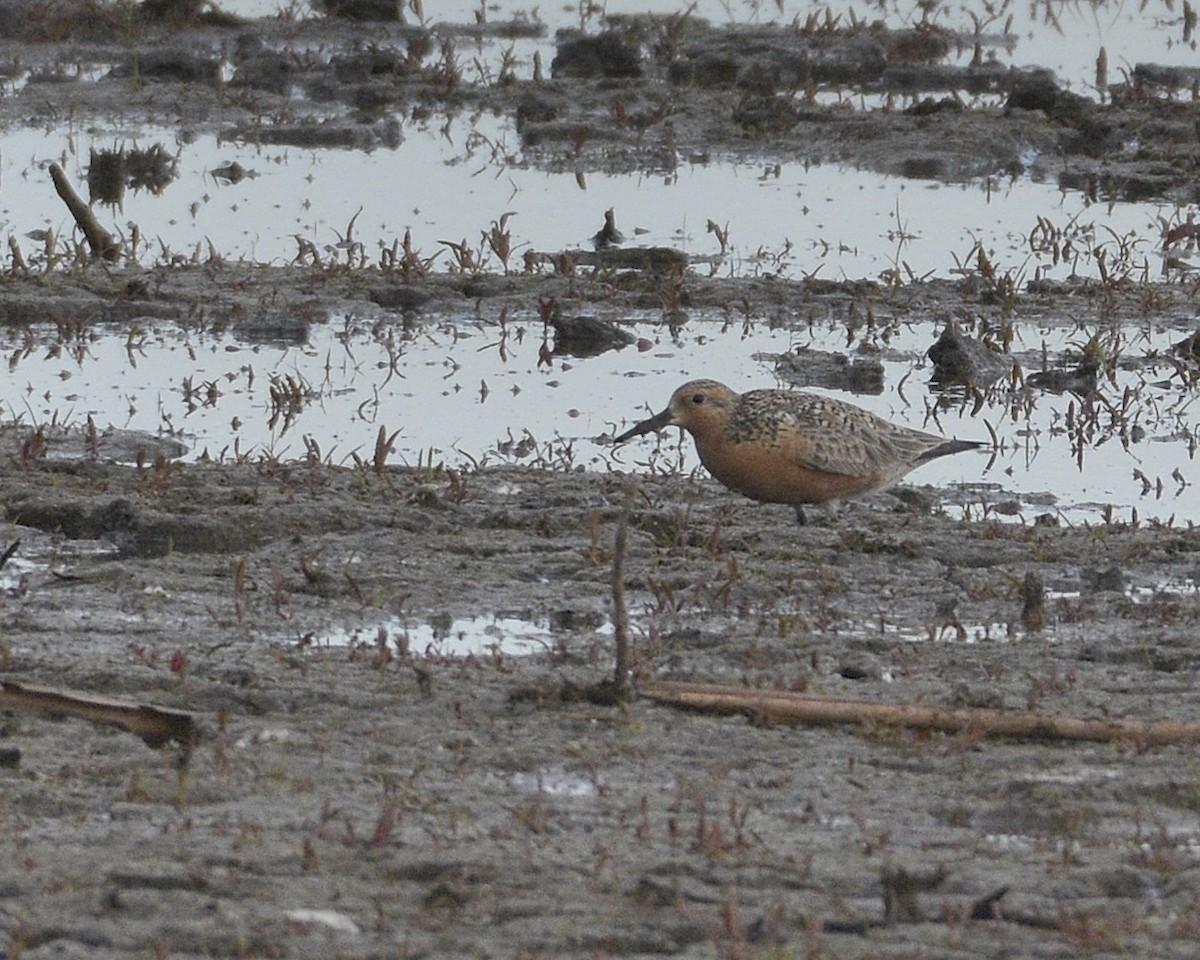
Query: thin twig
pixel 623 673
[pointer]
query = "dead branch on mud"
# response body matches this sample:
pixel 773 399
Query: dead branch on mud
pixel 99 240
pixel 799 708
pixel 154 725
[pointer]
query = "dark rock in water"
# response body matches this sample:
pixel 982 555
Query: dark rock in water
pixel 538 107
pixel 360 67
pixel 173 64
pixel 706 68
pixel 1171 78
pixel 587 336
pixel 833 371
pixel 269 71
pixel 1081 380
pixel 961 359
pixel 362 10
pixel 641 258
pixel 606 55
pixel 1189 346
pixel 400 296
pixel 332 134
pixel 766 114
pixel 922 168
pixel 929 107
pixel 658 259
pixel 1038 90
pixel 274 329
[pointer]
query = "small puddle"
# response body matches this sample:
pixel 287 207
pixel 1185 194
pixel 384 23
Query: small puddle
pixel 996 632
pixel 472 636
pixel 968 633
pixel 36 556
pixel 555 782
pixel 1182 588
pixel 1176 589
pixel 15 570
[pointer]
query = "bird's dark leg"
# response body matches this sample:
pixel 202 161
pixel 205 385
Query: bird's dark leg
pixel 820 514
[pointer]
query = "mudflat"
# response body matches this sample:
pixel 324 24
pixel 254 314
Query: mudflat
pixel 378 798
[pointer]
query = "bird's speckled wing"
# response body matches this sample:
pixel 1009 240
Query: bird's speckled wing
pixel 822 433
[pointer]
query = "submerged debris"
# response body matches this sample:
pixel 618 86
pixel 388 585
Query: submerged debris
pixel 806 367
pixel 607 55
pixel 661 259
pixel 231 173
pixel 1189 346
pixel 1080 380
pixel 962 359
pixel 587 336
pixel 330 134
pixel 362 10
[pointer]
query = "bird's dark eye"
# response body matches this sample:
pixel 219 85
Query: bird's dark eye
pixel 697 398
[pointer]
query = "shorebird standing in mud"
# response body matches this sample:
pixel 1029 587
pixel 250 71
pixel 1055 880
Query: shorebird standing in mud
pixel 786 446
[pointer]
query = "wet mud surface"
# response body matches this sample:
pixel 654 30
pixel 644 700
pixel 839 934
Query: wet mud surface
pixel 379 799
pixel 433 806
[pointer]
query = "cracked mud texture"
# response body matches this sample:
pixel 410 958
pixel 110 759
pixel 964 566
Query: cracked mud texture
pixel 373 801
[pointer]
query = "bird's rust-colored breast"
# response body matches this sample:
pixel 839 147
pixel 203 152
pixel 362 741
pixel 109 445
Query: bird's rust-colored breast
pixel 773 471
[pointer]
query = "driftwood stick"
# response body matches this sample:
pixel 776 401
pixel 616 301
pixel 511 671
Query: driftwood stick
pixel 154 725
pixel 782 705
pixel 100 240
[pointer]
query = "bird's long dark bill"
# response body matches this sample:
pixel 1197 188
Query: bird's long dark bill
pixel 657 422
pixel 949 447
